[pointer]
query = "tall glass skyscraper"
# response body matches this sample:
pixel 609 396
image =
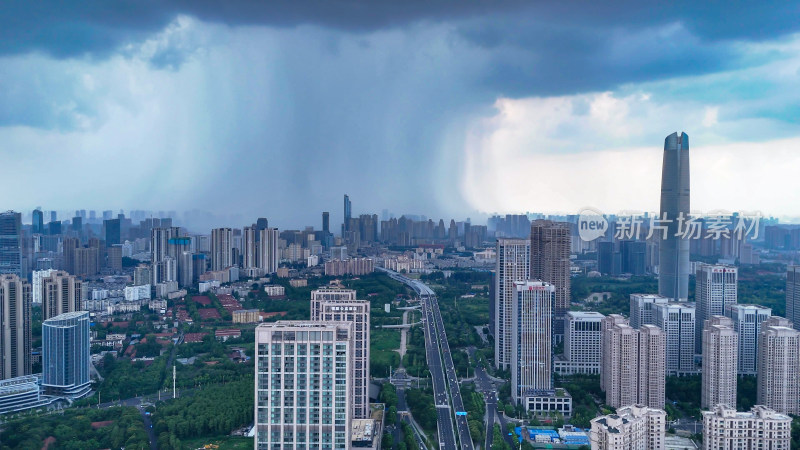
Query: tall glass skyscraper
pixel 10 243
pixel 65 355
pixel 673 256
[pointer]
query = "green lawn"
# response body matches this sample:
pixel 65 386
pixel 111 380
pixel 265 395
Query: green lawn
pixel 384 339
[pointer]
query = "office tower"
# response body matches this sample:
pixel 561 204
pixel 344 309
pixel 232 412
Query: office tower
pixel 37 221
pixel 185 269
pixel 340 305
pixel 759 429
pixel 199 265
pixel 112 231
pixel 641 310
pixel 714 290
pixel 633 364
pixel 77 224
pixel 66 355
pixel 221 246
pixel 677 320
pixel 249 248
pixel 531 338
pixel 114 253
pixel 303 384
pixel 582 337
pixel 61 293
pixel 793 295
pixel 261 224
pixel 747 320
pixel 632 427
pixel 15 327
pixel 11 243
pixel 779 366
pixel 512 265
pixel 550 247
pixel 267 257
pixel 633 255
pixel 608 259
pixel 326 222
pixel 673 256
pixel 607 324
pixel 54 228
pixel 720 351
pixel 348 214
pixel 69 246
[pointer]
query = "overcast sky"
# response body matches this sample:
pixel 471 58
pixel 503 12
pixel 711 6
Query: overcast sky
pixel 448 109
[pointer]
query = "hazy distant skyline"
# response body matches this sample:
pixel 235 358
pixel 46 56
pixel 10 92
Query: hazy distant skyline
pixel 444 109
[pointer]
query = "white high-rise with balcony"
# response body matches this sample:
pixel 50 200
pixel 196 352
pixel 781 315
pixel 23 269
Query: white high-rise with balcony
pixel 303 385
pixel 513 265
pixel 677 321
pixel 340 305
pixel 747 320
pixel 634 427
pixel 531 340
pixel 759 429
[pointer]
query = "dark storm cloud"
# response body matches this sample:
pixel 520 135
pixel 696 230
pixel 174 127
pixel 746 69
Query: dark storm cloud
pixel 98 27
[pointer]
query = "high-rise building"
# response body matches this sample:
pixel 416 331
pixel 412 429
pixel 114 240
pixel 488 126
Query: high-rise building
pixel 582 336
pixel 113 232
pixel 11 243
pixel 550 249
pixel 86 261
pixel 249 248
pixel 720 355
pixel 747 320
pixel 633 364
pixel 268 256
pixel 609 322
pixel 759 429
pixel 159 242
pixel 778 385
pixel 641 310
pixel 15 327
pixel 326 222
pixel 512 265
pixel 66 355
pixel 531 338
pixel 634 427
pixel 114 253
pixel 793 295
pixel 340 305
pixel 185 269
pixel 68 247
pixel 36 284
pixel 61 293
pixel 714 290
pixel 37 221
pixel 221 248
pixel 677 321
pixel 673 257
pixel 348 214
pixel 303 384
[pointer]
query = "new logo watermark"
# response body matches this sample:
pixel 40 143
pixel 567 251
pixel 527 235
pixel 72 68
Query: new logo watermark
pixel 591 224
pixel 715 225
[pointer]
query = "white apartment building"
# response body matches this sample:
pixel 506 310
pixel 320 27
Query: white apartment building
pixel 634 427
pixel 531 340
pixel 513 265
pixel 714 290
pixel 677 320
pixel 747 320
pixel 633 365
pixel 779 366
pixel 720 355
pixel 759 429
pixel 340 305
pixel 303 385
